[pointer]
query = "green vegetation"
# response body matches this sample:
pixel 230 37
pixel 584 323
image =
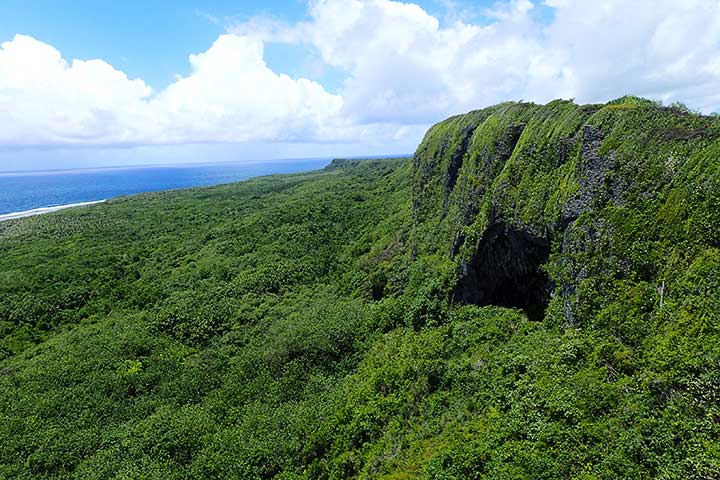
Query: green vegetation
pixel 328 325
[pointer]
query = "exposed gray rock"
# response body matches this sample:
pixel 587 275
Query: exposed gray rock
pixel 593 170
pixel 456 161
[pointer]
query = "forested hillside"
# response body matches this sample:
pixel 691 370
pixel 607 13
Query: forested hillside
pixel 536 294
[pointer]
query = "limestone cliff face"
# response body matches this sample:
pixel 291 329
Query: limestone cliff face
pixel 542 205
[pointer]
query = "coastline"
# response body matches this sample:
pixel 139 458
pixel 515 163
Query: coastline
pixel 44 210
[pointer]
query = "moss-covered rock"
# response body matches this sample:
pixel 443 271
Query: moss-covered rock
pixel 555 197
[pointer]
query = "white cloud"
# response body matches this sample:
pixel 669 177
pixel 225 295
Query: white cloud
pixel 664 49
pixel 405 70
pixel 45 100
pixel 406 67
pixel 230 96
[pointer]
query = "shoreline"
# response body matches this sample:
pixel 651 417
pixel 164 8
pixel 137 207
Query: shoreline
pixel 44 210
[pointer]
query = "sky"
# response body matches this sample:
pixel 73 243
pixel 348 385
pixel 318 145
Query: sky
pixel 86 83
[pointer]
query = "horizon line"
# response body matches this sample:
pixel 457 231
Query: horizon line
pixel 8 173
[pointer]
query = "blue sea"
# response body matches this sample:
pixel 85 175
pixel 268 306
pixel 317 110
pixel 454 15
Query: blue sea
pixel 20 192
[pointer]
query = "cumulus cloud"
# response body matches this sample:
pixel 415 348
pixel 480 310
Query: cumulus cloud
pixel 404 69
pixel 663 49
pixel 230 96
pixel 46 100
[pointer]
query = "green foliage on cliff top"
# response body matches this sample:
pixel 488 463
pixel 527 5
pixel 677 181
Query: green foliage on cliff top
pixel 301 326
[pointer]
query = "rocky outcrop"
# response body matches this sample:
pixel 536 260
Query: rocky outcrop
pixel 522 196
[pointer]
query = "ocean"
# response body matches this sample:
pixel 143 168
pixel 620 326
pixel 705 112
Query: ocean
pixel 23 191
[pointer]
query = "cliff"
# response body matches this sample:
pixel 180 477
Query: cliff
pixel 565 206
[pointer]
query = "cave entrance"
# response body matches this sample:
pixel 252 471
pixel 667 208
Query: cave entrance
pixel 506 271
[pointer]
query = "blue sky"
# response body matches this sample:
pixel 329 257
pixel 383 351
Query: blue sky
pixel 87 83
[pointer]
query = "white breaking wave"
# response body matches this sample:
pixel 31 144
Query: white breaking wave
pixel 40 211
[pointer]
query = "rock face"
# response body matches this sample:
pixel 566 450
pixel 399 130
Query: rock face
pixel 532 202
pixel 506 270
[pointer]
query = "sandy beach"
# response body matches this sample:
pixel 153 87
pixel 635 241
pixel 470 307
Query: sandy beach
pixel 41 211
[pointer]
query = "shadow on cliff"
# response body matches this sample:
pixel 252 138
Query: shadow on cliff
pixel 506 271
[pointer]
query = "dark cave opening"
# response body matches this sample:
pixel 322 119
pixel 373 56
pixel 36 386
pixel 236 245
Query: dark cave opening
pixel 506 271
